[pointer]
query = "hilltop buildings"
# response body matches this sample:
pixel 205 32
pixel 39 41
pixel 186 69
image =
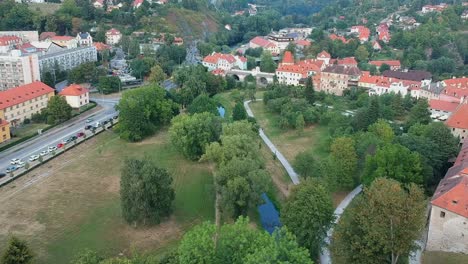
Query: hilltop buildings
pixel 113 36
pixel 224 62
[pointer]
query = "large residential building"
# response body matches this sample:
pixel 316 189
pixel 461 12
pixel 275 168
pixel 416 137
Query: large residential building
pixel 113 36
pixel 294 73
pixel 260 42
pixel 448 224
pixel 393 64
pixel 456 87
pixel 423 77
pixel 22 102
pixel 26 36
pixel 224 62
pixel 337 78
pixel 4 130
pixel 434 8
pixel 76 95
pixel 17 69
pixel 8 43
pixel 67 59
pixel 458 121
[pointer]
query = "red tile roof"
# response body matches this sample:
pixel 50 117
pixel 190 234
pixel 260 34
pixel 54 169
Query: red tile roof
pixel 101 46
pixel 324 54
pixel 62 38
pixel 23 93
pixel 46 35
pixel 443 105
pixel 218 72
pixel 260 42
pixel 137 3
pixel 350 61
pixel 391 63
pixel 457 87
pixel 74 90
pixel 363 32
pixel 113 31
pixel 336 37
pixel 215 57
pixel 9 40
pixel 459 119
pixel 288 57
pixel 303 42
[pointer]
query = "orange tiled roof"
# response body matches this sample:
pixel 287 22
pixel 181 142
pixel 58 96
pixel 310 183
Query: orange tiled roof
pixel 452 194
pixel 100 46
pixel 215 57
pixel 303 42
pixel 443 105
pixel 23 93
pixel 260 41
pixel 363 32
pixel 113 31
pixel 62 38
pixel 46 35
pixel 9 40
pixel 347 61
pixel 288 57
pixel 323 54
pixel 461 83
pixel 459 119
pixel 336 37
pixel 392 63
pixel 74 90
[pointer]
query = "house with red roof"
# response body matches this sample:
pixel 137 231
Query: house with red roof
pixel 337 37
pixel 100 47
pixel 303 43
pixel 458 121
pixel 456 87
pixel 441 108
pixel 362 32
pixel 137 3
pixel 335 79
pixel 224 62
pixel 433 8
pixel 394 64
pixel 383 32
pixel 324 56
pixel 113 36
pixel 9 42
pixel 376 46
pixel 294 73
pixel 76 95
pixel 20 103
pixel 347 61
pixel 46 35
pixel 448 222
pixel 266 44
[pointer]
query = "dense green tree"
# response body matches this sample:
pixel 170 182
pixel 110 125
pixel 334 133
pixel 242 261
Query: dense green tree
pixel 191 134
pixel 384 67
pixel 156 75
pixel 397 106
pixel 382 225
pixel 306 165
pixel 146 192
pixel 17 252
pixel 361 53
pixel 141 67
pixel 420 113
pixel 239 243
pixel 396 162
pixel 344 161
pixel 267 64
pixel 203 103
pixel 308 213
pixel 300 123
pixel 88 257
pixel 382 130
pixel 239 113
pixel 309 91
pixel 86 73
pixel 58 110
pixel 109 84
pixel 143 111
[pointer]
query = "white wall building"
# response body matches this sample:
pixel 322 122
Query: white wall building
pixel 68 58
pixel 76 95
pixel 224 61
pixel 113 36
pixel 17 69
pixel 84 39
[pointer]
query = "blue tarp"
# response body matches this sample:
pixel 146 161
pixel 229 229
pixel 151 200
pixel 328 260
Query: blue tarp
pixel 221 111
pixel 269 216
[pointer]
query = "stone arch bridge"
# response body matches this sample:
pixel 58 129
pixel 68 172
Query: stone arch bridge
pixel 262 78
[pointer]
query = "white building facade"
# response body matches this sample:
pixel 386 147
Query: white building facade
pixel 16 70
pixel 68 59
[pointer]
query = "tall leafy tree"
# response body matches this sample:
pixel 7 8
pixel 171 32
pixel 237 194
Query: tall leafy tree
pixel 382 225
pixel 395 162
pixel 308 213
pixel 344 160
pixel 203 103
pixel 17 252
pixel 361 53
pixel 239 113
pixel 143 111
pixel 58 110
pixel 382 130
pixel 109 84
pixel 267 64
pixel 191 134
pixel 420 113
pixel 146 192
pixel 306 165
pixel 156 75
pixel 309 91
pixel 239 243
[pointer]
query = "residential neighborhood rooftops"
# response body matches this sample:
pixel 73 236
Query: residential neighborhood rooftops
pixel 23 93
pixel 46 35
pixel 459 119
pixel 324 54
pixel 113 31
pixel 288 57
pixel 378 63
pixel 61 38
pixel 408 75
pixel 74 90
pixel 342 69
pixel 442 105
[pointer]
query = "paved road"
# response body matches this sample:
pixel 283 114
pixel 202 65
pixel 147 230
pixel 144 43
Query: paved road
pixel 325 254
pixel 56 135
pixel 289 169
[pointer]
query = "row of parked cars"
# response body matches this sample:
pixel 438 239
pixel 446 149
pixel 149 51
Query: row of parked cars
pixel 16 164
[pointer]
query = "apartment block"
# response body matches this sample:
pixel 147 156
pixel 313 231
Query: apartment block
pixel 67 59
pixel 17 69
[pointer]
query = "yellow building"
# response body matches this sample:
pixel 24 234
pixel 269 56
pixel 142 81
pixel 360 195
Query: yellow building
pixel 19 103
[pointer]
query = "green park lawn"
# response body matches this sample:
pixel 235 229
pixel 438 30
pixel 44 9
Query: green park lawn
pixel 77 205
pixel 435 257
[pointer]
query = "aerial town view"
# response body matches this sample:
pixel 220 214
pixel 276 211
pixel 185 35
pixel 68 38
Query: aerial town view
pixel 233 131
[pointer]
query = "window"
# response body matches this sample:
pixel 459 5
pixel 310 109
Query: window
pixel 442 214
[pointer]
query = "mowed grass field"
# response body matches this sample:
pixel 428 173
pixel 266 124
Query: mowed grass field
pixel 72 203
pixel 436 257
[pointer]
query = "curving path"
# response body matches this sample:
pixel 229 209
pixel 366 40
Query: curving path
pixel 325 254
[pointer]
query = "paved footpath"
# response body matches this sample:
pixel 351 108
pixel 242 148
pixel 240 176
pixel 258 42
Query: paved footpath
pixel 325 254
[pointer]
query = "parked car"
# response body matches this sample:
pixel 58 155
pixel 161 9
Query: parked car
pixel 98 124
pixel 52 148
pixel 11 169
pixel 44 153
pixel 59 145
pixel 20 164
pixel 88 127
pixel 73 138
pixel 115 117
pixel 105 122
pixel 33 158
pixel 2 175
pixel 14 161
pixel 80 134
pixel 89 120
